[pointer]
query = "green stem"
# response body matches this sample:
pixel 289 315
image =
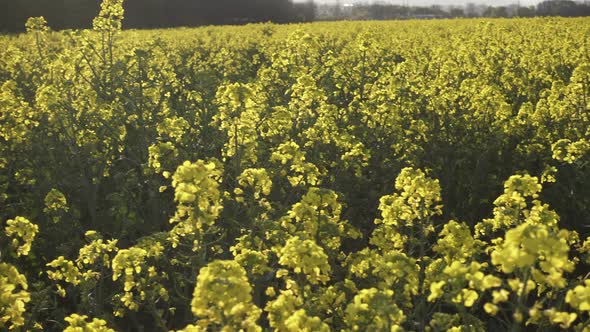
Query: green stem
pixel 157 317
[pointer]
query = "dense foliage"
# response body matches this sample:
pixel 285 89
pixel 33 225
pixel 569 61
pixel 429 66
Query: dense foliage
pixel 389 176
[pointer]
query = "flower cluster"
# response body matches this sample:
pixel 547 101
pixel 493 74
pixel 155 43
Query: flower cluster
pixel 196 189
pixel 79 323
pixel 305 257
pixel 141 280
pixel 110 17
pixel 13 297
pixel 23 233
pixel 222 298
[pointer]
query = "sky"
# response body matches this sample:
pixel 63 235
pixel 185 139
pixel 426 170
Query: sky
pixel 437 2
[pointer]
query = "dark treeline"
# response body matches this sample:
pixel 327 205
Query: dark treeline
pixel 382 11
pixel 75 14
pixel 71 14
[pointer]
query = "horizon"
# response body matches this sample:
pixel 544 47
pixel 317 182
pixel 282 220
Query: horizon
pixel 433 2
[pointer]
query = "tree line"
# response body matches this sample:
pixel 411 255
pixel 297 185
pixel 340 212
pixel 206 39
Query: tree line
pixel 382 11
pixel 78 14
